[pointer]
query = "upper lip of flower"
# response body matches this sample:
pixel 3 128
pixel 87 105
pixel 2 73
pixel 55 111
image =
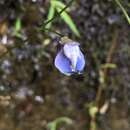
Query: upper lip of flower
pixel 72 52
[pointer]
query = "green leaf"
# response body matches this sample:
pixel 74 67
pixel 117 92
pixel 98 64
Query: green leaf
pixel 65 16
pixel 59 4
pixel 17 28
pixel 109 65
pixel 93 111
pixel 123 10
pixel 53 125
pixel 18 25
pixel 50 15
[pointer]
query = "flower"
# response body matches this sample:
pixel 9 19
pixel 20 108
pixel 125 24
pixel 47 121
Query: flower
pixel 70 59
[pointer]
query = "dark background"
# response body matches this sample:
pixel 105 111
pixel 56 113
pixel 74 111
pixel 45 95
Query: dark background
pixel 33 92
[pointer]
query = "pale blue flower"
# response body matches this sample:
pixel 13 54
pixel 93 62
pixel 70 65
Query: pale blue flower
pixel 70 59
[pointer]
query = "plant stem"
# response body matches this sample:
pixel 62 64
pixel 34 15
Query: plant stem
pixel 105 71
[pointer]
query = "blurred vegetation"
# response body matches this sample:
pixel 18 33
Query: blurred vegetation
pixel 53 125
pixel 61 9
pixel 123 10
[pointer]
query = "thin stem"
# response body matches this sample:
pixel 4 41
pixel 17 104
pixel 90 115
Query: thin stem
pixel 105 71
pixel 48 29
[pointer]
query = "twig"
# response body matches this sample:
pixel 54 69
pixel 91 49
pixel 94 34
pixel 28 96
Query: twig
pixel 105 71
pixel 51 30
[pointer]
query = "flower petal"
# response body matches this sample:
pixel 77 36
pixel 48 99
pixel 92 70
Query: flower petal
pixel 72 52
pixel 80 62
pixel 63 64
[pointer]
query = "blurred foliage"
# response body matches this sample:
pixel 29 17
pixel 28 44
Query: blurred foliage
pixel 17 28
pixel 109 65
pixel 123 10
pixel 57 6
pixel 54 124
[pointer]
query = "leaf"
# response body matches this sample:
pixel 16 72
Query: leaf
pixel 59 4
pixel 50 15
pixel 109 65
pixel 17 28
pixel 18 25
pixel 52 125
pixel 93 111
pixel 123 10
pixel 64 15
